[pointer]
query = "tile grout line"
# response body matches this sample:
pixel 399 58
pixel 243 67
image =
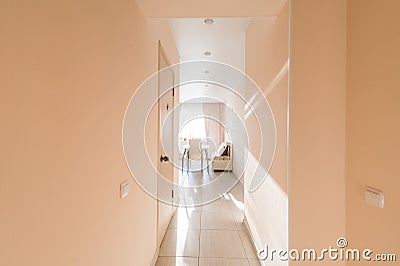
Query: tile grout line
pixel 238 232
pixel 241 240
pixel 232 218
pixel 201 213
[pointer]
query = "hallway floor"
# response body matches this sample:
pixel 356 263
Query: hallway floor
pixel 212 234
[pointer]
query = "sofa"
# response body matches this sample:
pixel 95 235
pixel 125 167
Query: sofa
pixel 222 159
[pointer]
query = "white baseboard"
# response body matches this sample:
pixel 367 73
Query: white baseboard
pixel 155 257
pixel 248 232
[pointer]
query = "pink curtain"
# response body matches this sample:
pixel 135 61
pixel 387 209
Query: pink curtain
pixel 214 113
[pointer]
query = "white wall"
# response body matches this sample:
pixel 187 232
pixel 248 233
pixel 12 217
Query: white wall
pixel 266 209
pixel 234 122
pixel 188 111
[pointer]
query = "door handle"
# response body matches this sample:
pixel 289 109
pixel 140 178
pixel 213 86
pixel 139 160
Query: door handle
pixel 164 159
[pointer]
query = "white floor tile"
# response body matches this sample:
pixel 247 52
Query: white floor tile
pixel 220 185
pixel 254 262
pixel 220 205
pixel 222 262
pixel 180 242
pixel 221 243
pixel 190 197
pixel 248 246
pixel 185 218
pixel 177 261
pixel 217 220
pixel 238 217
pixel 210 231
pixel 237 192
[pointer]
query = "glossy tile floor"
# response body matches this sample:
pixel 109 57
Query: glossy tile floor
pixel 212 234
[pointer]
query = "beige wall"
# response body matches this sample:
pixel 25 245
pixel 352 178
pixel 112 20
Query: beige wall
pixel 343 112
pixel 317 124
pixel 68 70
pixel 210 8
pixel 372 124
pixel 267 41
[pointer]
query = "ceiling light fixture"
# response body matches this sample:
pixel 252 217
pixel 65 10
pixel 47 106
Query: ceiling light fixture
pixel 208 21
pixel 207 53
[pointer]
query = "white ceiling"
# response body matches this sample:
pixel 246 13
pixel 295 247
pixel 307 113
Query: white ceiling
pixel 224 39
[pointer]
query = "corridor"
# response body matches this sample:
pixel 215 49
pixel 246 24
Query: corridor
pixel 212 234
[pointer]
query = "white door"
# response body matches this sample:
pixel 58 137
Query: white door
pixel 165 144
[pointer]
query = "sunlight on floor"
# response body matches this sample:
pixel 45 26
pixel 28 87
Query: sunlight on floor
pixel 212 234
pixel 238 204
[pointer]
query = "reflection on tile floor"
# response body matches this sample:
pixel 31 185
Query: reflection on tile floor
pixel 212 234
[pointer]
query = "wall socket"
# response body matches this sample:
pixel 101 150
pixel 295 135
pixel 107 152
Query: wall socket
pixel 374 197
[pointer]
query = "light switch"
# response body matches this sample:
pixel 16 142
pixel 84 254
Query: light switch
pixel 125 187
pixel 374 197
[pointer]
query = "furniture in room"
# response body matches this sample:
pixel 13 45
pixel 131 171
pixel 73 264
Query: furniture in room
pixel 194 153
pixel 222 160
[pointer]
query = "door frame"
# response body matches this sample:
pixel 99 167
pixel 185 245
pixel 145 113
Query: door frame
pixel 162 54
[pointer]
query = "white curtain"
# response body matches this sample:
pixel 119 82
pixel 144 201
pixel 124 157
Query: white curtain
pixel 214 113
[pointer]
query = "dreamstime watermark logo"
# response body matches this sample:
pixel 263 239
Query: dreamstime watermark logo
pixel 244 103
pixel 339 253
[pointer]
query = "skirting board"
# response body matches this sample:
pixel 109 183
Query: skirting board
pixel 155 257
pixel 248 232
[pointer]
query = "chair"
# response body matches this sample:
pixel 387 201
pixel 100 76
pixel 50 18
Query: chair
pixel 183 150
pixel 207 147
pixel 195 152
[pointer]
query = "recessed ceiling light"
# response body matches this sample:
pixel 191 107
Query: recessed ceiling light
pixel 207 53
pixel 208 21
pixel 207 72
